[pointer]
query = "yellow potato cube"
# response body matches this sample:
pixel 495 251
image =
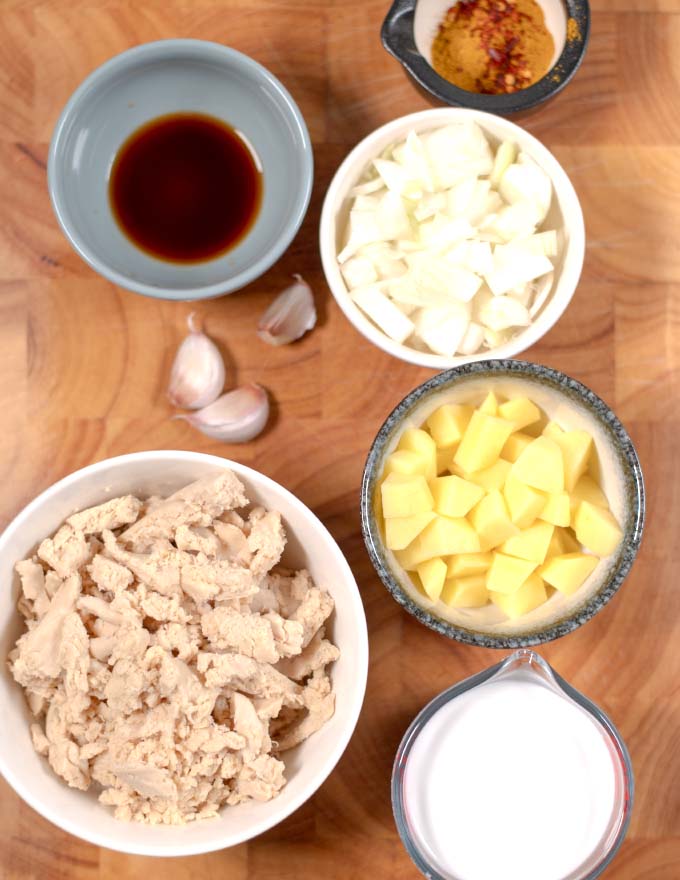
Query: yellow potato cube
pixel 404 495
pixel 489 405
pixel 454 496
pixel 541 466
pixel 493 477
pixel 490 518
pixel 465 592
pixel 448 423
pixel 531 543
pixel 567 573
pixel 405 461
pixel 596 529
pixel 482 442
pixel 465 564
pixel 568 541
pixel 400 531
pixel 515 446
pixel 556 547
pixel 432 575
pixel 530 595
pixel 553 430
pixel 407 557
pixel 507 573
pixel 417 440
pixel 577 447
pixel 520 411
pixel 444 536
pixel 444 460
pixel 557 509
pixel 524 503
pixel 586 489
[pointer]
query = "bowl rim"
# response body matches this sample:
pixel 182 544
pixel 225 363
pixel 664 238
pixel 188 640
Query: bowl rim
pixel 346 175
pixel 629 546
pixel 169 49
pixel 359 647
pixel 399 40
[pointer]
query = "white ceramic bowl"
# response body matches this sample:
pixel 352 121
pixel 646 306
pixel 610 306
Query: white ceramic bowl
pixel 565 215
pixel 309 545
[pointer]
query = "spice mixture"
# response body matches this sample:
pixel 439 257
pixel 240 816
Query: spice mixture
pixel 493 46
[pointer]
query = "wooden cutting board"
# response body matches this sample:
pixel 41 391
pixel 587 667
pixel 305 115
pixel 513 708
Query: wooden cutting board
pixel 84 368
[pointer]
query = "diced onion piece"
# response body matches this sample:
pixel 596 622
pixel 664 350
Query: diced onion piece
pixel 441 232
pixel 368 187
pixel 510 273
pixel 523 293
pixel 457 151
pixel 505 156
pixel 429 205
pixel 541 244
pixel 514 221
pixel 414 160
pixel 383 312
pixel 359 272
pixel 392 218
pixel 503 312
pixel 495 338
pixel 364 228
pixel 442 330
pixel 542 289
pixel 525 181
pixel 473 339
pixel 396 178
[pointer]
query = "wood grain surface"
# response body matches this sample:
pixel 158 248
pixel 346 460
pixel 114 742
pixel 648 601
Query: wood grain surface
pixel 84 369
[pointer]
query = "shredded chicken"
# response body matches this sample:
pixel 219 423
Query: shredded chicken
pixel 167 660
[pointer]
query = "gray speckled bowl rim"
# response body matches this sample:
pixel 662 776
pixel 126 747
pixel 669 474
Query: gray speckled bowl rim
pixel 554 680
pixel 634 490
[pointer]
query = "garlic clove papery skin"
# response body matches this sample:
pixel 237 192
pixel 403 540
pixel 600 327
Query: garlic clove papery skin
pixel 236 417
pixel 290 316
pixel 198 373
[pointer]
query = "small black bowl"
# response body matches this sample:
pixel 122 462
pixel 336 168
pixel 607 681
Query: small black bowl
pixel 617 456
pixel 398 38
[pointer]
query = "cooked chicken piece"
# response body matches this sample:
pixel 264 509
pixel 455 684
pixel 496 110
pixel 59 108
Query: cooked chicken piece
pixel 263 638
pixel 197 539
pixel 32 577
pixel 303 728
pixel 66 552
pixel 234 543
pixel 243 674
pixel 110 515
pixel 198 503
pixel 312 611
pixel 109 575
pixel 317 655
pixel 158 570
pixel 204 580
pixel 250 726
pixel 261 779
pixel 266 541
pixel 99 608
pixel 150 782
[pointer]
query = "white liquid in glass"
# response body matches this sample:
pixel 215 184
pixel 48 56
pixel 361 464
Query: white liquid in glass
pixel 510 780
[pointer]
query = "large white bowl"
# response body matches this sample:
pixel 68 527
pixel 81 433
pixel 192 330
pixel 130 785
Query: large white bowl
pixel 565 215
pixel 309 545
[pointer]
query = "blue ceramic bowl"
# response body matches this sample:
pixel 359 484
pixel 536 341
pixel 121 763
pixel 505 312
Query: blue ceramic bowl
pixel 573 406
pixel 153 80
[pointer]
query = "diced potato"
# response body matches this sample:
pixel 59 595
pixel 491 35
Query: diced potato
pixel 586 489
pixel 407 557
pixel 493 477
pixel 531 543
pixel 444 460
pixel 568 541
pixel 567 573
pixel 596 529
pixel 524 502
pixel 556 547
pixel 507 573
pixel 490 519
pixel 577 447
pixel 553 430
pixel 404 495
pixel 448 423
pixel 400 531
pixel 515 445
pixel 432 575
pixel 405 461
pixel 444 536
pixel 541 466
pixel 417 440
pixel 465 564
pixel 454 496
pixel 489 405
pixel 521 411
pixel 482 442
pixel 530 595
pixel 557 509
pixel 465 592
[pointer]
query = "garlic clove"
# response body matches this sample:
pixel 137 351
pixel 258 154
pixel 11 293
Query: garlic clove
pixel 290 316
pixel 235 417
pixel 198 373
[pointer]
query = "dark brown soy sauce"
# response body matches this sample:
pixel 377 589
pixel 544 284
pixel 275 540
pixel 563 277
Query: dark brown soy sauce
pixel 185 188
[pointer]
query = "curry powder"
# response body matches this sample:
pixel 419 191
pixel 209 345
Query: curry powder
pixel 493 46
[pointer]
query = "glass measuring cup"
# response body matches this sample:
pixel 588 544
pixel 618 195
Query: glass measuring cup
pixel 523 666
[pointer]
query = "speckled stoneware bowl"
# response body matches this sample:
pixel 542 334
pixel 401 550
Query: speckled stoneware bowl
pixel 411 26
pixel 573 406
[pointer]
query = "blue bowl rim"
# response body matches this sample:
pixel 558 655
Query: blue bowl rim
pixel 167 49
pixel 632 533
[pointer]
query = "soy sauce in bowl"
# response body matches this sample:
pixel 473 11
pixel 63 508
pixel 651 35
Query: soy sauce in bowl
pixel 185 187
